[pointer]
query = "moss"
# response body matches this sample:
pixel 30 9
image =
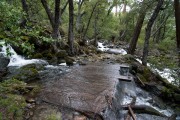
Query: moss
pixel 61 54
pixel 167 93
pixel 38 55
pixel 12 107
pixel 27 74
pixel 12 104
pixel 69 60
pixel 142 77
pixel 147 74
pixel 12 86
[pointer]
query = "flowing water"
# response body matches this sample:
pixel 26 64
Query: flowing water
pixel 94 87
pixel 17 60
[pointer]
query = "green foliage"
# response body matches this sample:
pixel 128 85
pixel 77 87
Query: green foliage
pixel 12 86
pixel 11 105
pixel 53 116
pixel 10 15
pixel 166 45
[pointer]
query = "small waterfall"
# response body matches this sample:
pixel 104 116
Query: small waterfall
pixel 104 48
pixel 17 60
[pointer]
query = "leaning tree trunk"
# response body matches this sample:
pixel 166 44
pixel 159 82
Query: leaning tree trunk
pixel 79 15
pixel 137 30
pixel 87 27
pixel 56 33
pixel 148 31
pixel 177 17
pixel 26 17
pixel 54 20
pixel 48 12
pixel 70 33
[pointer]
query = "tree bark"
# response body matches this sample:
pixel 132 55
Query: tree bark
pixel 148 31
pixel 79 15
pixel 54 21
pixel 177 18
pixel 64 8
pixel 48 12
pixel 56 33
pixel 84 41
pixel 70 33
pixel 95 27
pixel 137 30
pixel 25 9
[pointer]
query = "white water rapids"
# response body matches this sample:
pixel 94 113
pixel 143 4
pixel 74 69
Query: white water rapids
pixel 17 60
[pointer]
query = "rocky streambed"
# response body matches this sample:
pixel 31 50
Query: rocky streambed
pixel 90 89
pixel 93 91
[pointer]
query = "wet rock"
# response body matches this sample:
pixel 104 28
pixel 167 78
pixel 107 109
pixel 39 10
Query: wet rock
pixel 26 73
pixel 80 117
pixel 61 54
pixel 69 60
pixel 31 100
pixel 4 61
pixel 177 97
pixel 30 106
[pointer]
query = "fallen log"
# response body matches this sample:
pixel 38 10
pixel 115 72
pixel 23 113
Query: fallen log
pixel 130 111
pixel 144 109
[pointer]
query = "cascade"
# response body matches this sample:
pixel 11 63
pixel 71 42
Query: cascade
pixel 18 60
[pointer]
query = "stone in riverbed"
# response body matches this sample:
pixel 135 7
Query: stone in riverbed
pixel 4 61
pixel 26 73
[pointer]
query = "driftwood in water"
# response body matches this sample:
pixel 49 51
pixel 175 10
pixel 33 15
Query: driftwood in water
pixel 140 81
pixel 144 109
pixel 130 112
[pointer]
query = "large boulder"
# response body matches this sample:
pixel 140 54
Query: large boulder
pixel 26 73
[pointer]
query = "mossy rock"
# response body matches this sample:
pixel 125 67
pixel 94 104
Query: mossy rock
pixel 129 58
pixel 61 54
pixel 69 60
pixel 38 55
pixel 26 73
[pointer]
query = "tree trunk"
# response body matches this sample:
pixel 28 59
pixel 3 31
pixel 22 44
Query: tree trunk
pixel 137 30
pixel 177 18
pixel 124 7
pixel 54 20
pixel 148 31
pixel 70 33
pixel 48 11
pixel 84 40
pixel 95 28
pixel 79 15
pixel 25 9
pixel 56 34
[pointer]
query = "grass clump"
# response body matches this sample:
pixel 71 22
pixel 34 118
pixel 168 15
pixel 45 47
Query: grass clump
pixel 12 103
